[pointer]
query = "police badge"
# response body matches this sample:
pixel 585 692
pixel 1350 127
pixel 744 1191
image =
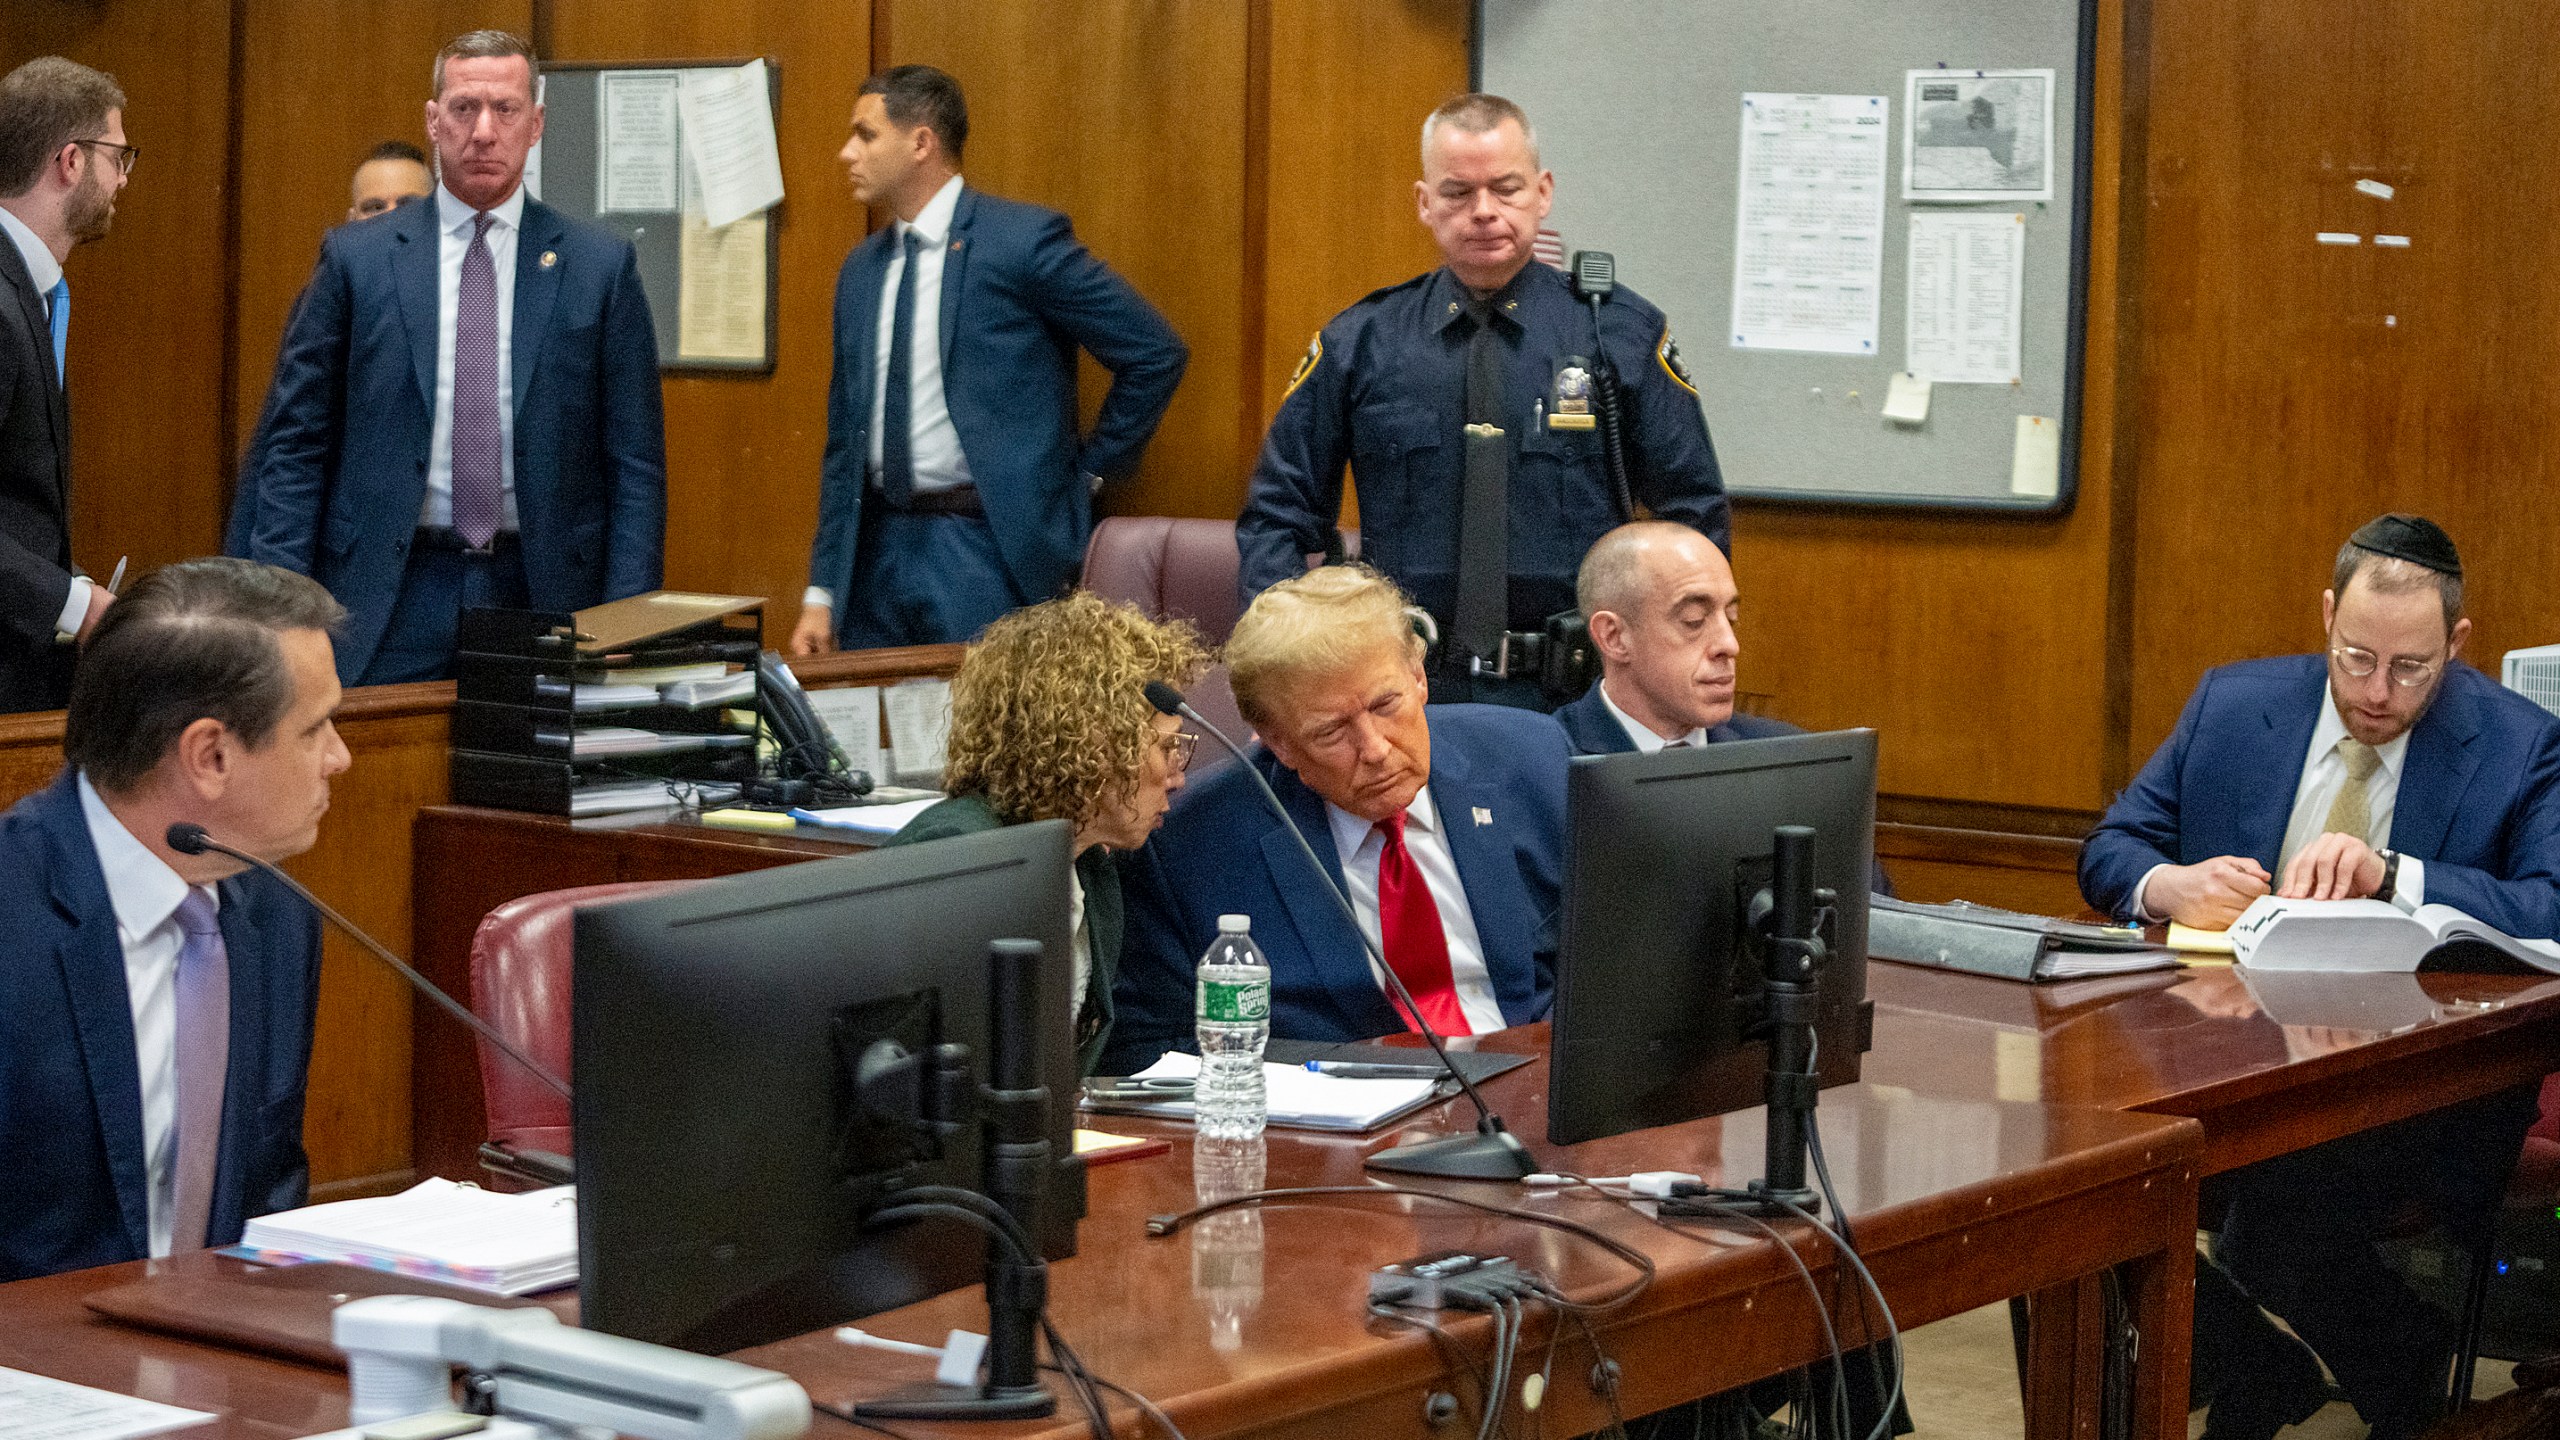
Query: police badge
pixel 1569 406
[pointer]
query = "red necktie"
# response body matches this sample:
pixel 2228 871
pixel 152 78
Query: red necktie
pixel 1409 929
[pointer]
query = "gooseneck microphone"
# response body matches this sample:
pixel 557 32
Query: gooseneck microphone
pixel 189 839
pixel 1493 1152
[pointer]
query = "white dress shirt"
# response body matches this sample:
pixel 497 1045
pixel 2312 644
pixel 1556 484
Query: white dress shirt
pixel 2324 774
pixel 1083 945
pixel 1646 741
pixel 453 219
pixel 933 443
pixel 145 894
pixel 1359 845
pixel 46 272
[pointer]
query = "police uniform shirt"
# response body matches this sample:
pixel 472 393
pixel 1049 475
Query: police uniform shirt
pixel 1384 388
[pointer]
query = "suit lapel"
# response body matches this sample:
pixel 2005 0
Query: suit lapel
pixel 57 411
pixel 1334 950
pixel 2288 721
pixel 2435 770
pixel 955 271
pixel 243 1086
pixel 414 264
pixel 92 964
pixel 1481 850
pixel 537 286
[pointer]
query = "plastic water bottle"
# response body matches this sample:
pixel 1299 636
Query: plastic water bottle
pixel 1235 1023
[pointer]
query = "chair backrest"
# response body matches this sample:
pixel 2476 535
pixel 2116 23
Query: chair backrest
pixel 520 985
pixel 1177 568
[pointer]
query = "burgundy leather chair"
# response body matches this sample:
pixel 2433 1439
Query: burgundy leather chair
pixel 1175 568
pixel 520 985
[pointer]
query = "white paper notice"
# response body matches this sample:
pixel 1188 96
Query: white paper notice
pixel 852 716
pixel 1977 135
pixel 1966 297
pixel 720 291
pixel 728 135
pixel 919 724
pixel 1906 399
pixel 533 157
pixel 636 142
pixel 1808 245
pixel 2035 464
pixel 36 1407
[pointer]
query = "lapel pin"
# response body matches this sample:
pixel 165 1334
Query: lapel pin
pixel 550 258
pixel 1483 816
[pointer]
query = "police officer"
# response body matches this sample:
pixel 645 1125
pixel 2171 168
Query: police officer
pixel 1465 401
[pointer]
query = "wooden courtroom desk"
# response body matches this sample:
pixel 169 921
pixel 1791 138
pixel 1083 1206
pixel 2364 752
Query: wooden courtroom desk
pixel 2360 1051
pixel 1260 1328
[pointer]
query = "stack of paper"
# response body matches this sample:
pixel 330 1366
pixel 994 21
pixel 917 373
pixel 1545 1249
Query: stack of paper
pixel 605 740
pixel 460 1234
pixel 1297 1097
pixel 876 821
pixel 696 694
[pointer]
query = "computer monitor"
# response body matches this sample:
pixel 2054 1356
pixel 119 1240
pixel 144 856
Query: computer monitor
pixel 725 1162
pixel 1654 987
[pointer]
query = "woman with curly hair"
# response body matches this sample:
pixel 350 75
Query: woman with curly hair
pixel 1050 721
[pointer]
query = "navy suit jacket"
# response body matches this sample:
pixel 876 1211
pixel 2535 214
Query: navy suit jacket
pixel 2479 797
pixel 1497 780
pixel 70 1085
pixel 342 453
pixel 1020 294
pixel 35 498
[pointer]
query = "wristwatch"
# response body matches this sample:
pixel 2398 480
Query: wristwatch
pixel 2390 875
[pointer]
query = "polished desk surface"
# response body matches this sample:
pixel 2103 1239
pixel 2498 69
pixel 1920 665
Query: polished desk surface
pixel 1255 1321
pixel 2267 1063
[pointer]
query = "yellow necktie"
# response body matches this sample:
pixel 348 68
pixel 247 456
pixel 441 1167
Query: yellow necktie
pixel 2349 814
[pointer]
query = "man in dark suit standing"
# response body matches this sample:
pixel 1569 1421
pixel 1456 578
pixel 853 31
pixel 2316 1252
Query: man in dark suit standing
pixel 63 157
pixel 955 486
pixel 466 410
pixel 2383 769
pixel 156 1008
pixel 1444 824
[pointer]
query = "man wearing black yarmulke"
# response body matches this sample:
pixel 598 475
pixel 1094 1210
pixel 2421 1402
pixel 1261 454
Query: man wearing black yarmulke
pixel 2383 769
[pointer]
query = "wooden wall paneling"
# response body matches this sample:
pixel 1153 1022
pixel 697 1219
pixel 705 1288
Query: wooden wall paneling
pixel 321 83
pixel 743 450
pixel 1131 120
pixel 1976 647
pixel 2300 388
pixel 1349 84
pixel 146 356
pixel 357 1125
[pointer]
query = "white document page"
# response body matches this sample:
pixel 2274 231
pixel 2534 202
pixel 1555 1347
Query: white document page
pixel 919 725
pixel 1808 245
pixel 852 716
pixel 636 141
pixel 37 1407
pixel 1966 298
pixel 728 135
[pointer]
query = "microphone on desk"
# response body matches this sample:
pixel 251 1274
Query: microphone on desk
pixel 189 839
pixel 1493 1152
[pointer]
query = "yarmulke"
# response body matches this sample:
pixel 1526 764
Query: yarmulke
pixel 2413 538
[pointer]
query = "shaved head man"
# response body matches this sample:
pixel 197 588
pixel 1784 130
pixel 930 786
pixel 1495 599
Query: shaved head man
pixel 1662 606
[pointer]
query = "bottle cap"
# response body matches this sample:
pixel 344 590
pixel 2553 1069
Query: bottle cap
pixel 1235 924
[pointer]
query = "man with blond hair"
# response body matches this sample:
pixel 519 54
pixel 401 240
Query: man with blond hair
pixel 1444 824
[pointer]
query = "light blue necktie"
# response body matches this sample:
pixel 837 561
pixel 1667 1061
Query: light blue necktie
pixel 59 301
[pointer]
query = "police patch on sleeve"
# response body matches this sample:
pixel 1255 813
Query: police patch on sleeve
pixel 1306 365
pixel 1668 352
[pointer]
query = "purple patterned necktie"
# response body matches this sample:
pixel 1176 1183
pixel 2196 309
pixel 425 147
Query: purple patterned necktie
pixel 204 1055
pixel 478 475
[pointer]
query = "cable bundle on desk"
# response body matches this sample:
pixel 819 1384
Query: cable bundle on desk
pixel 968 1206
